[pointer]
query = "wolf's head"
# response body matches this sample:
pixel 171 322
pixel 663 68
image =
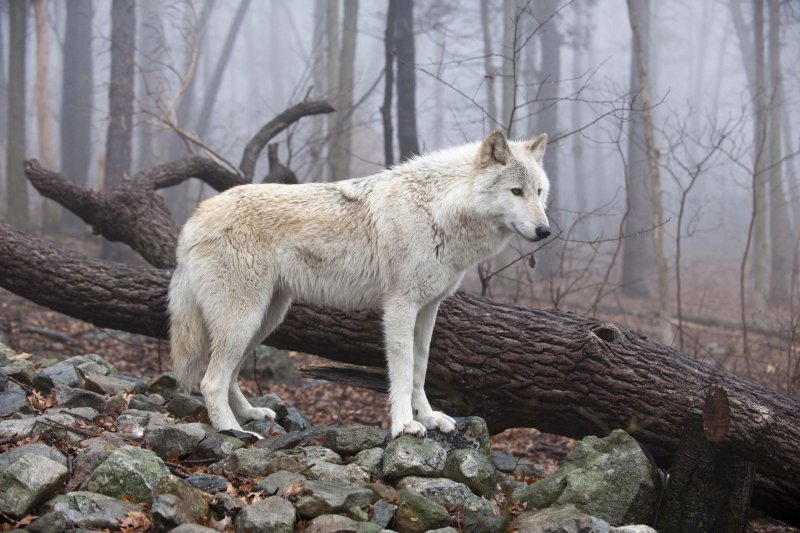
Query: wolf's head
pixel 511 185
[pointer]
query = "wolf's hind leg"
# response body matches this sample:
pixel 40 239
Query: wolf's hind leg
pixel 275 313
pixel 423 413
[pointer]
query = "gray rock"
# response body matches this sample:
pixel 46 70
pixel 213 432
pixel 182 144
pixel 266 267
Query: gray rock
pixel 260 462
pixel 417 514
pixel 208 483
pixel 276 484
pixel 332 523
pixel 295 421
pixel 471 432
pixel 91 510
pixel 227 505
pixel 46 425
pixel 36 448
pixel 28 481
pixel 274 402
pixel 508 463
pixel 92 364
pixel 75 397
pixel 3 379
pixel 271 365
pixel 22 370
pixel 473 469
pixel 610 478
pixel 112 385
pixel 413 456
pixel 84 413
pixel 175 502
pixel 134 423
pixel 448 529
pixel 451 494
pixel 175 440
pixel 192 528
pixel 333 472
pixel 326 497
pixel 184 405
pixel 320 453
pixel 291 440
pixel 382 512
pixel 349 441
pixel 638 528
pixel 370 460
pixel 265 428
pixel 84 464
pixel 273 514
pixel 14 399
pixel 58 374
pixel 144 402
pixel 565 519
pixel 48 523
pixel 128 471
pixel 164 384
pixel 215 445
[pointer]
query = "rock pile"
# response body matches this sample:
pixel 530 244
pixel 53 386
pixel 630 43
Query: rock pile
pixel 85 447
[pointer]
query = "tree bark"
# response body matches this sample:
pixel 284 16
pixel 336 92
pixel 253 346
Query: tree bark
pixel 341 142
pixel 406 81
pixel 514 366
pixel 120 92
pixel 388 83
pixel 76 100
pixel 654 173
pixel 16 187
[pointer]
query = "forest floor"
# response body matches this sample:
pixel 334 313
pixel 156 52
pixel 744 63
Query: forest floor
pixel 27 327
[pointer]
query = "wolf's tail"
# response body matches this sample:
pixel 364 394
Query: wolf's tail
pixel 188 335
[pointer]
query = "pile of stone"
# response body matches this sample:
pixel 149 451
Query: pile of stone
pixel 85 447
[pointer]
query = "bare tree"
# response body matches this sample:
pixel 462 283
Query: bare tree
pixel 781 239
pixel 511 16
pixel 17 188
pixel 75 126
pixel 341 141
pixel 406 81
pixel 488 66
pixel 51 212
pixel 388 83
pixel 654 174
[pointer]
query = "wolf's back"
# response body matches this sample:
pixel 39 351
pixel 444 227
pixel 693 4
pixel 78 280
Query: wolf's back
pixel 188 335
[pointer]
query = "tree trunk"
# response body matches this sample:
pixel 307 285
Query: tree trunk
pixel 341 142
pixel 120 93
pixel 16 186
pixel 75 126
pixel 388 83
pixel 210 92
pixel 51 212
pixel 760 237
pixel 514 366
pixel 781 238
pixel 509 64
pixel 654 174
pixel 331 70
pixel 406 81
pixel 488 69
pixel 638 258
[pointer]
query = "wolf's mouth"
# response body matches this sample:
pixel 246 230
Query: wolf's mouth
pixel 531 239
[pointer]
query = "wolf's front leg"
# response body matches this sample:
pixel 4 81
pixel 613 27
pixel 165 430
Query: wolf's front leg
pixel 423 413
pixel 399 318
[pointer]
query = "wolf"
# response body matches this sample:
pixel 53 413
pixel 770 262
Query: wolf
pixel 400 240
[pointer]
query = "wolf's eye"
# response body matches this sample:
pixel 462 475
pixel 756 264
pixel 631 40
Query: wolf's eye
pixel 539 192
pixel 516 191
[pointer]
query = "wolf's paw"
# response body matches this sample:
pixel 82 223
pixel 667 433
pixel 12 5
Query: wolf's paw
pixel 410 428
pixel 438 420
pixel 258 413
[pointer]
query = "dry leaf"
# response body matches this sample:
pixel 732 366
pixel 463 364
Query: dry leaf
pixel 293 489
pixel 134 521
pixel 18 356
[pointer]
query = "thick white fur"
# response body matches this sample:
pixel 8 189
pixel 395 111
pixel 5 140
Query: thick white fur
pixel 399 240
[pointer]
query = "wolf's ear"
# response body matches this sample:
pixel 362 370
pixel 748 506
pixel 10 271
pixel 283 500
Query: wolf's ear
pixel 494 149
pixel 537 146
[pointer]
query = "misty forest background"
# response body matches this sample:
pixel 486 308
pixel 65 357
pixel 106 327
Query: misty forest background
pixel 674 129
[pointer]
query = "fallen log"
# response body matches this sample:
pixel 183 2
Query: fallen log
pixel 514 366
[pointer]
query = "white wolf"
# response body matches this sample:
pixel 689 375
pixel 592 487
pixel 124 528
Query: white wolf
pixel 400 240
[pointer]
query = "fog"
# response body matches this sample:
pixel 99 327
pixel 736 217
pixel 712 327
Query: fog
pixel 726 164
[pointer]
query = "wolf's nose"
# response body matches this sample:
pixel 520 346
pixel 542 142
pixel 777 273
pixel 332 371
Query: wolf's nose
pixel 543 232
